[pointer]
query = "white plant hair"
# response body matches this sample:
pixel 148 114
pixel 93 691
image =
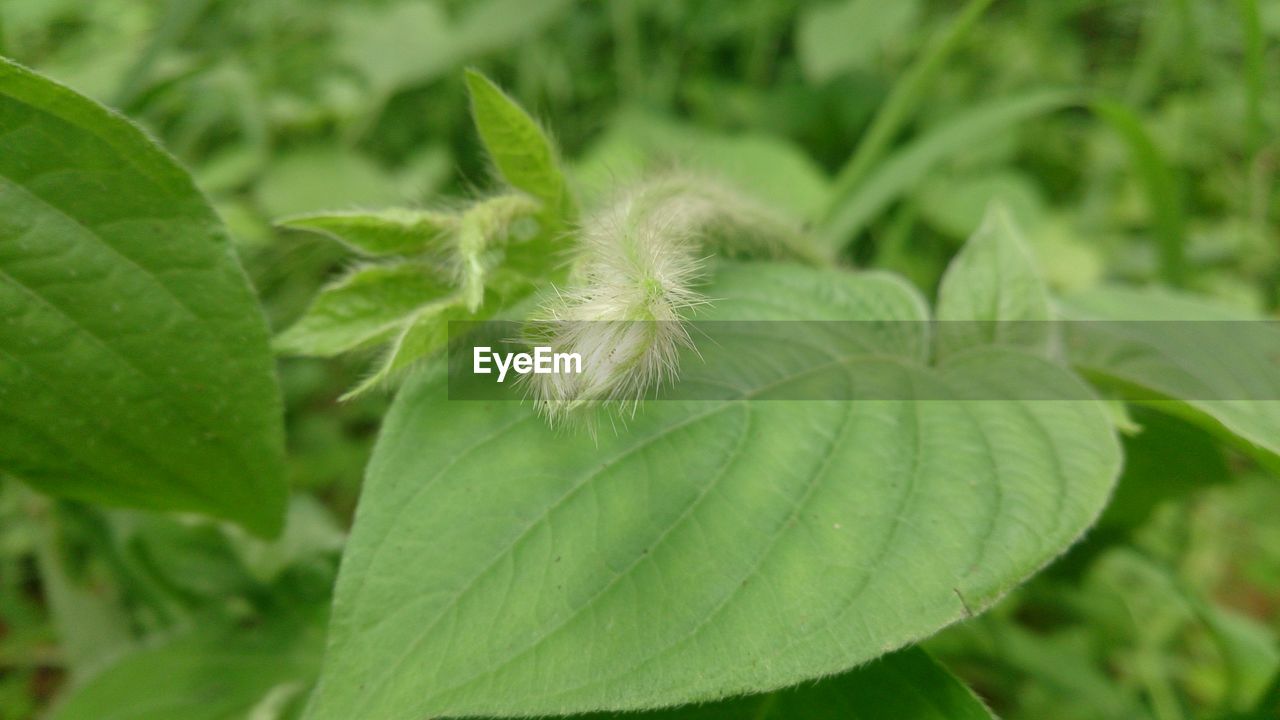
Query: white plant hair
pixel 634 281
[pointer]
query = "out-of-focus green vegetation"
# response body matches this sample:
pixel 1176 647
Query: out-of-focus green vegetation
pixel 1134 141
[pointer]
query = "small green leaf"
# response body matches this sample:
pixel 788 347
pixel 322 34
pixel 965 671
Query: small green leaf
pixel 366 307
pixel 520 149
pixel 211 672
pixel 381 233
pixel 710 547
pixel 992 294
pixel 420 336
pixel 837 37
pixel 1216 366
pixel 906 685
pixel 134 359
pixel 410 302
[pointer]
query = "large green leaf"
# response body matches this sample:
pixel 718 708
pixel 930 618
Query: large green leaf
pixel 134 363
pixel 710 547
pixel 906 685
pixel 1213 365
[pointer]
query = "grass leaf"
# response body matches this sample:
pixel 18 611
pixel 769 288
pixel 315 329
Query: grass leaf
pixel 852 211
pixel 1164 192
pixel 897 110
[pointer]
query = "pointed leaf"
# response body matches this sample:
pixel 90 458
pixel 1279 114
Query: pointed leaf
pixel 381 233
pixel 134 360
pixel 992 293
pixel 368 306
pixel 417 338
pixel 908 93
pixel 520 149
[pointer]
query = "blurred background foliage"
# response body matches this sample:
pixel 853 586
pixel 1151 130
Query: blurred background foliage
pixel 1169 610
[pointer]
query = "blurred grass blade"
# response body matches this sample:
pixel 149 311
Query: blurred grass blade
pixel 1269 706
pixel 179 19
pixel 85 608
pixel 1157 47
pixel 909 166
pixel 1254 71
pixel 901 104
pixel 1163 189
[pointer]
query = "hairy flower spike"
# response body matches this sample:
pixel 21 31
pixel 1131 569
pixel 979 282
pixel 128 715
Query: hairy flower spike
pixel 640 262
